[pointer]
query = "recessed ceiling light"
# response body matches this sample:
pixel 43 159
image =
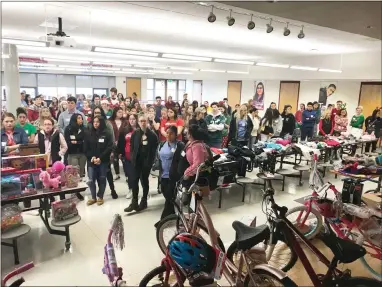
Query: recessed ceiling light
pixel 272 65
pixel 123 51
pixel 303 68
pixel 184 68
pixel 186 57
pixel 234 61
pixel 329 70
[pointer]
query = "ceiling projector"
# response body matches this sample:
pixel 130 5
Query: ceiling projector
pixel 60 39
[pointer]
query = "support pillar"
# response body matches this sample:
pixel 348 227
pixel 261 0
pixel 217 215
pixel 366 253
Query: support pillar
pixel 12 78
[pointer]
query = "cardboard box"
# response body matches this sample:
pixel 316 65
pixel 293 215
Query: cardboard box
pixel 373 200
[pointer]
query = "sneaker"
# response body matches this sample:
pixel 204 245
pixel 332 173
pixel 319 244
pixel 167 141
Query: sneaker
pixel 142 205
pixel 114 194
pixel 129 194
pixel 91 202
pixel 99 201
pixel 79 196
pixel 117 177
pixel 132 207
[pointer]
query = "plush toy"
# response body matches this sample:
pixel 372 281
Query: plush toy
pixel 49 182
pixel 58 166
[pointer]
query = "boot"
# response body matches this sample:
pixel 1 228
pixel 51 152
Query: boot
pixel 142 204
pixel 114 194
pixel 133 206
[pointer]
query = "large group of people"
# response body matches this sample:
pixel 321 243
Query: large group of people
pixel 174 137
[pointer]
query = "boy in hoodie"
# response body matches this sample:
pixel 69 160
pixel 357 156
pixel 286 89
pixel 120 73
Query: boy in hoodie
pixel 215 124
pixel 308 122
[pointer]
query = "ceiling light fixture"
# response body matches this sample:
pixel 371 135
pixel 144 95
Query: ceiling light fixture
pixel 213 71
pixel 181 73
pixel 303 68
pixel 234 62
pixel 211 18
pixel 126 52
pixel 269 27
pixel 43 68
pixel 272 65
pixel 301 35
pixel 237 72
pixel 22 63
pixel 286 30
pixel 161 72
pixel 66 60
pixel 24 42
pixel 329 70
pixel 251 25
pixel 184 69
pixel 230 19
pixel 185 57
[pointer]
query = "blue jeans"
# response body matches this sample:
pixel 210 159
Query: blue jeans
pixel 97 173
pixel 129 171
pixel 306 132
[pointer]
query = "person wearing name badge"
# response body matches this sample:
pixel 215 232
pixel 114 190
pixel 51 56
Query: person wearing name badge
pixel 22 122
pixel 308 122
pixel 11 137
pixel 98 145
pixel 172 120
pixel 144 144
pixel 64 118
pixel 215 124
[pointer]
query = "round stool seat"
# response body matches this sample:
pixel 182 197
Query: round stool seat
pixel 326 164
pixel 66 222
pixel 285 172
pixel 245 180
pixel 263 176
pixel 16 232
pixel 301 167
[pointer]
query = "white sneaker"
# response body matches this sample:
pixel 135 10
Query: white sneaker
pixel 129 194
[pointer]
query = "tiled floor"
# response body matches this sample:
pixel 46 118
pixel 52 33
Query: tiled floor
pixel 82 266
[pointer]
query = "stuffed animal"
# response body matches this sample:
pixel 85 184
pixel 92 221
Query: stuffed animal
pixel 49 182
pixel 58 166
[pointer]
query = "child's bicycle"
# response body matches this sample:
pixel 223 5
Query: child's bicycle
pixel 15 272
pixel 116 236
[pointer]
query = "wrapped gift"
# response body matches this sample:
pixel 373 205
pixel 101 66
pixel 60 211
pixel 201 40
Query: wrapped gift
pixel 10 217
pixel 72 176
pixel 64 209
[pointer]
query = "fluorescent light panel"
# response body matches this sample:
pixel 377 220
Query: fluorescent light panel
pixel 237 72
pixel 24 42
pixel 65 60
pixel 329 70
pixel 123 51
pixel 234 61
pixel 185 57
pixel 213 71
pixel 181 73
pixel 161 72
pixel 303 68
pixel 150 66
pixel 184 69
pixel 272 65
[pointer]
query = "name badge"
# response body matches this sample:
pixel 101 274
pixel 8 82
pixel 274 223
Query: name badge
pixel 144 142
pixel 172 150
pixel 27 132
pixel 3 143
pixel 72 137
pixel 101 140
pixel 67 120
pixel 183 153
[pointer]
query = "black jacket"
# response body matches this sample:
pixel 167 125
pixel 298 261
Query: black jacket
pixel 74 134
pixel 374 126
pixel 98 145
pixel 289 124
pixel 174 174
pixel 136 139
pixel 233 129
pixel 54 148
pixel 201 123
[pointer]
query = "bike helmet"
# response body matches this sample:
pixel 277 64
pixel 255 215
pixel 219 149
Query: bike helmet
pixel 191 253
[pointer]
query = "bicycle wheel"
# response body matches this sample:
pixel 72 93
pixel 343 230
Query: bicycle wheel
pixel 359 282
pixel 313 223
pixel 283 256
pixel 156 278
pixel 266 279
pixel 167 229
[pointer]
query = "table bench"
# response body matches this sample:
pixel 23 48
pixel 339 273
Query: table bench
pixel 13 235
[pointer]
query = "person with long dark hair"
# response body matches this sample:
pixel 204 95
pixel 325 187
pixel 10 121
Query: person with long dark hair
pixel 98 145
pixel 11 137
pixel 373 123
pixel 289 121
pixel 258 99
pixel 124 151
pixel 271 124
pixel 118 124
pixel 172 120
pixel 22 122
pixel 53 108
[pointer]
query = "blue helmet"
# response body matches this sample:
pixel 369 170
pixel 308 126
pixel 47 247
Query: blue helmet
pixel 191 252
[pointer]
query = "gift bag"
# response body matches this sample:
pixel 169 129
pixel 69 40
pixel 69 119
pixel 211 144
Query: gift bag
pixel 64 209
pixel 72 176
pixel 10 217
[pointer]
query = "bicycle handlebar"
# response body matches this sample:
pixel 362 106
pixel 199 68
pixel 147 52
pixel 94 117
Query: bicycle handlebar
pixel 17 271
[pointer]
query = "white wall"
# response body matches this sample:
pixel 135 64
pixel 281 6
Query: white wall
pixel 120 84
pixel 214 90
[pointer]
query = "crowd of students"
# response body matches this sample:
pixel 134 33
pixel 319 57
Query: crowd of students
pixel 173 137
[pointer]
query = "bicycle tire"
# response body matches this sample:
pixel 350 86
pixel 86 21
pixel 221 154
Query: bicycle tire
pixel 173 218
pixel 232 249
pixel 313 233
pixel 152 274
pixel 359 282
pixel 285 282
pixel 371 191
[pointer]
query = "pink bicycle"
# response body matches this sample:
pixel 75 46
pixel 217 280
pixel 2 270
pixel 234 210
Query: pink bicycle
pixel 15 272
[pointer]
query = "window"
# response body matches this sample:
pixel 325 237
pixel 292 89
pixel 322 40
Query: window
pixel 165 88
pixel 84 91
pixel 30 91
pixel 47 92
pixel 171 89
pixel 160 88
pixel 181 89
pixel 65 92
pixel 100 92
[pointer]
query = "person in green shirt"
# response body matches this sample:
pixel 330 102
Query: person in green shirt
pixel 224 112
pixel 22 122
pixel 358 119
pixel 215 125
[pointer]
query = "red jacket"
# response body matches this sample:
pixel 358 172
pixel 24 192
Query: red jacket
pixel 298 116
pixel 196 153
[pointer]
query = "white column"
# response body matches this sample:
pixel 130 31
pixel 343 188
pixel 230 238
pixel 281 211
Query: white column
pixel 12 78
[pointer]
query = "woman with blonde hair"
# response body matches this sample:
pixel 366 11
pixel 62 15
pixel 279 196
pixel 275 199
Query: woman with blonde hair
pixel 241 127
pixel 358 119
pixel 62 107
pixel 44 115
pixel 326 124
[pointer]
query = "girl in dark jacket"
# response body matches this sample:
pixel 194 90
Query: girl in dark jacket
pixel 289 121
pixel 169 154
pixel 240 127
pixel 98 145
pixel 373 123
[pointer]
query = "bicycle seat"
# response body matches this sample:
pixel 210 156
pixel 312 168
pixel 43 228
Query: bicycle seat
pixel 247 236
pixel 345 251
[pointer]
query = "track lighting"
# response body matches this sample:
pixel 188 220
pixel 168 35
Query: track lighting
pixel 286 30
pixel 301 35
pixel 230 19
pixel 269 27
pixel 212 17
pixel 251 25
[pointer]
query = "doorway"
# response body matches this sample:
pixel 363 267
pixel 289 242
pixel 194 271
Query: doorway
pixel 289 93
pixel 197 91
pixel 133 85
pixel 370 97
pixel 234 93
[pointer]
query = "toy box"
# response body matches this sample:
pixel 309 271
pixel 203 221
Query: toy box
pixel 20 183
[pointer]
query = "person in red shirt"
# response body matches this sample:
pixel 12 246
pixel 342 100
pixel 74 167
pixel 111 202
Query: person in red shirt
pixel 336 109
pixel 298 115
pixel 170 103
pixel 172 120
